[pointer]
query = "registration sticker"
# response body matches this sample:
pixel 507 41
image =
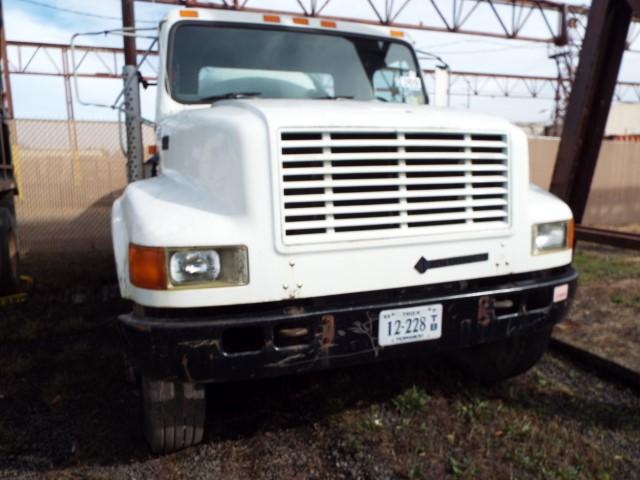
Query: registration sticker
pixel 406 325
pixel 561 293
pixel 410 81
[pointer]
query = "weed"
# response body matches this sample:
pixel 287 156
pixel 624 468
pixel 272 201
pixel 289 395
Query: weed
pixel 475 410
pixel 411 401
pixel 461 467
pixel 519 431
pixel 372 421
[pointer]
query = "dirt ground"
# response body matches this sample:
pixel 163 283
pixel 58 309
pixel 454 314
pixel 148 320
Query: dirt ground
pixel 66 411
pixel 606 313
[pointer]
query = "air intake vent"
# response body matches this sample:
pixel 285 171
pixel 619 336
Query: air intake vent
pixel 345 186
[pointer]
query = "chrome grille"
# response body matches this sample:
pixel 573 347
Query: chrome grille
pixel 353 185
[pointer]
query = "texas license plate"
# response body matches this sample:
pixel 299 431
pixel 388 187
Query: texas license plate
pixel 405 325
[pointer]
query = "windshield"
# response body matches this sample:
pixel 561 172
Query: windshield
pixel 212 61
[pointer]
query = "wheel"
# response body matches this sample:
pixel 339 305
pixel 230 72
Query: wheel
pixel 9 255
pixel 493 362
pixel 174 414
pixel 131 373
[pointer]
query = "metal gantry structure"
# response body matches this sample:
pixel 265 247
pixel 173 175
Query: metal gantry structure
pixel 508 19
pixel 54 59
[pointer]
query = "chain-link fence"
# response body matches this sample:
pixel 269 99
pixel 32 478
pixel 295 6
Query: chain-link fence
pixel 69 174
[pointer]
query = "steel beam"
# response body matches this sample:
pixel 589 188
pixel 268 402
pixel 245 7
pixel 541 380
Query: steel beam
pixel 608 237
pixel 589 103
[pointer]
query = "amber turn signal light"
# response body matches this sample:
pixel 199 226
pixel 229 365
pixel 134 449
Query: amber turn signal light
pixel 571 233
pixel 148 267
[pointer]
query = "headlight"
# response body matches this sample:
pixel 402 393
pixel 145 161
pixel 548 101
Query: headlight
pixel 157 268
pixel 208 267
pixel 554 236
pixel 196 266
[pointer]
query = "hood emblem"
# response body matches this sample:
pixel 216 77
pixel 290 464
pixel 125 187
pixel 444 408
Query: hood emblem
pixel 422 265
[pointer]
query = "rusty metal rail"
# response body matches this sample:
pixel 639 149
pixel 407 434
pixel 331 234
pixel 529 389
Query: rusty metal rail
pixel 608 237
pixel 607 369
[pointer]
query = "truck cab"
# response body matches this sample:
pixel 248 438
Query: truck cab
pixel 311 210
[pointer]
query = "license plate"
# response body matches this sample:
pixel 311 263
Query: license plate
pixel 406 325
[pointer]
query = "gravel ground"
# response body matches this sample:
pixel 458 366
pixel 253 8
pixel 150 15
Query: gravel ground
pixel 65 411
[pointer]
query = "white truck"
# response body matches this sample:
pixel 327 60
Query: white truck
pixel 311 211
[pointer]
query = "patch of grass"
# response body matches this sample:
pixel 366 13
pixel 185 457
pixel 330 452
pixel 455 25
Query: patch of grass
pixel 604 266
pixel 626 299
pixel 411 401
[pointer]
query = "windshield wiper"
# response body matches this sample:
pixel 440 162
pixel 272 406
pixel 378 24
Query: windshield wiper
pixel 331 97
pixel 230 95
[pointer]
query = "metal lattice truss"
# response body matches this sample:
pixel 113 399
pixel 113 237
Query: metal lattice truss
pixel 53 59
pixel 473 84
pixel 532 20
pixel 48 59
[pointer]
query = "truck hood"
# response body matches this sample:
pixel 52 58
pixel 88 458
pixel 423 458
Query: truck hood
pixel 350 113
pixel 325 204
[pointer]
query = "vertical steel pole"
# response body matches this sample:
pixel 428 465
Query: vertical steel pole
pixel 5 66
pixel 135 169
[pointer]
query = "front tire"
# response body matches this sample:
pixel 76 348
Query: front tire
pixel 174 414
pixel 9 254
pixel 493 362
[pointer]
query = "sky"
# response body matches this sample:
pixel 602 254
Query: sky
pixel 43 97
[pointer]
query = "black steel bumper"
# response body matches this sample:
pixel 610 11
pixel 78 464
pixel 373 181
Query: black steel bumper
pixel 262 340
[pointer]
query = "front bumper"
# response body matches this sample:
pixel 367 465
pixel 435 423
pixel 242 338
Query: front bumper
pixel 264 340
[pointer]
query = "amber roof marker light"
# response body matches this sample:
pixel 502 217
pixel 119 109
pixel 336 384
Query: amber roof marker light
pixel 271 18
pixel 189 13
